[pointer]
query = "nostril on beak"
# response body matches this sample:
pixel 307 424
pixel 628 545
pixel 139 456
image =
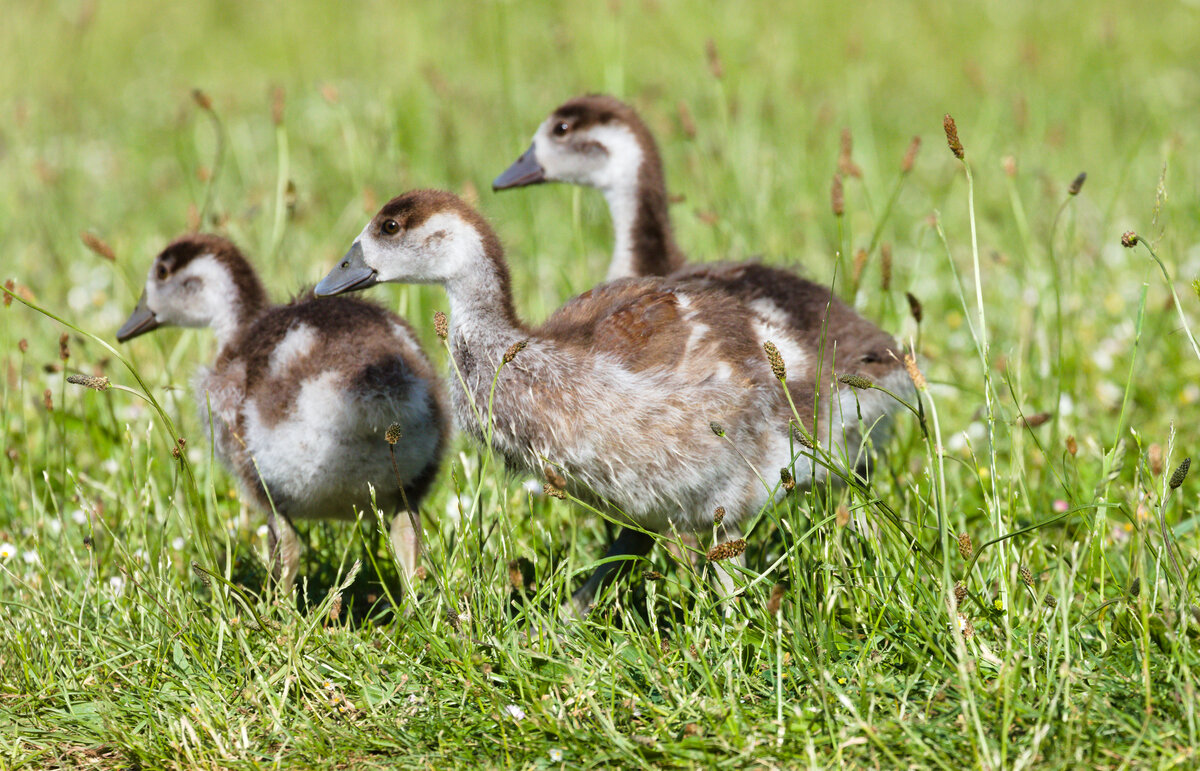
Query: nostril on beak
pixel 345 263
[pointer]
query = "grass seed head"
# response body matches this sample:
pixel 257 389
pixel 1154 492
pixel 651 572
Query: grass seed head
pixel 776 360
pixel 554 492
pixel 1010 166
pixel 393 433
pixel 96 245
pixel 914 373
pixel 1155 456
pixel 885 267
pixel 686 122
pixel 1180 474
pixel 1038 419
pixel 1129 239
pixel 846 164
pixel 727 550
pixel 714 59
pixel 960 593
pixel 1135 587
pixel 785 476
pixel 914 307
pixel 837 196
pixel 22 344
pixel 910 156
pixel 48 400
pixel 10 287
pixel 335 607
pixel 202 100
pixel 718 516
pixel 802 437
pixel 94 383
pixel 952 137
pixel 1027 576
pixel 965 549
pixel 716 428
pixel 64 346
pixel 776 602
pixel 278 101
pixel 652 575
pixel 513 350
pixel 440 325
pixel 1072 445
pixel 860 264
pixel 1077 183
pixel 1051 601
pixel 856 381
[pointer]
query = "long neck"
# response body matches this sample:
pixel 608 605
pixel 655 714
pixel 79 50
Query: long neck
pixel 644 244
pixel 481 303
pixel 245 301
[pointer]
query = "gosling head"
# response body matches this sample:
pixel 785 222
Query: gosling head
pixel 592 140
pixel 421 237
pixel 197 281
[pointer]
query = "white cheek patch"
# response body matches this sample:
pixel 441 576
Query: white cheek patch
pixel 298 341
pixel 203 294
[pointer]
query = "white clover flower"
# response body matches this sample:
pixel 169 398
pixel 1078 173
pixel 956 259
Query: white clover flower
pixel 79 517
pixel 7 550
pixel 177 543
pixel 263 531
pixel 54 526
pixel 30 557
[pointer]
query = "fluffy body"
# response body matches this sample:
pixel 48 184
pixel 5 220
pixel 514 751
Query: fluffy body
pixel 300 395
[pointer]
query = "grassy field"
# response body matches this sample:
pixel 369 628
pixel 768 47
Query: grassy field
pixel 1063 389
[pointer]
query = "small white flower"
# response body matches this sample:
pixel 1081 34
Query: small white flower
pixel 54 526
pixel 30 557
pixel 177 543
pixel 79 517
pixel 263 531
pixel 532 486
pixel 515 712
pixel 556 756
pixel 110 467
pixel 117 584
pixel 7 550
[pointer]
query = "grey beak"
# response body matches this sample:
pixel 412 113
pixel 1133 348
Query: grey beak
pixel 350 274
pixel 524 171
pixel 142 320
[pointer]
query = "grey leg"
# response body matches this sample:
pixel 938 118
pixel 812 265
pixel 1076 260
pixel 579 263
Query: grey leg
pixel 285 550
pixel 629 543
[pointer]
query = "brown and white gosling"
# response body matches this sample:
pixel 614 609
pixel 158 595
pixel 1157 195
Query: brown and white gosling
pixel 598 141
pixel 300 395
pixel 621 394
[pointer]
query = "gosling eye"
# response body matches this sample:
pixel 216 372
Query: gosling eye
pixel 390 227
pixel 561 128
pixel 161 272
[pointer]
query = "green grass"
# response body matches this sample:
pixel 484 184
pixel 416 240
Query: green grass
pixel 115 652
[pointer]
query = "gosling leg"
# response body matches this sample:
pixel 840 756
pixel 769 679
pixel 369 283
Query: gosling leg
pixel 629 543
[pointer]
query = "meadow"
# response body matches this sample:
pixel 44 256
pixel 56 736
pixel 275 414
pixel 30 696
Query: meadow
pixel 137 629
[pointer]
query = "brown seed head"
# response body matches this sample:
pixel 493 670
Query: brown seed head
pixel 960 593
pixel 513 350
pixel 914 373
pixel 718 516
pixel 201 99
pixel 776 360
pixel 277 103
pixel 776 602
pixel 1156 459
pixel 440 325
pixel 856 381
pixel 1051 601
pixel 965 549
pixel 48 400
pixel 1027 576
pixel 1180 474
pixel 802 437
pixel 786 478
pixel 842 517
pixel 837 196
pixel 335 608
pixel 860 264
pixel 716 428
pixel 728 550
pixel 686 123
pixel 554 492
pixel 1033 421
pixel 1077 183
pixel 846 164
pixel 93 242
pixel 1135 587
pixel 10 287
pixel 910 156
pixel 914 307
pixel 968 628
pixel 1010 166
pixel 652 575
pixel 1129 239
pixel 22 344
pixel 64 347
pixel 885 267
pixel 1072 445
pixel 714 59
pixel 952 137
pixel 95 383
pixel 393 434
